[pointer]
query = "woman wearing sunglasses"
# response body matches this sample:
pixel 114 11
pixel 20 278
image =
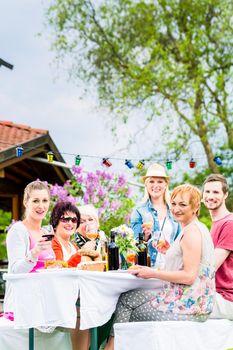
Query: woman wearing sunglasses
pixel 65 219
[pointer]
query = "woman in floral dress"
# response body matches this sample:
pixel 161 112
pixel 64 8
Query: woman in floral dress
pixel 189 283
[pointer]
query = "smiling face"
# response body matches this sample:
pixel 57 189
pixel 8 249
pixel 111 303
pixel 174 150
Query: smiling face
pixel 182 210
pixel 213 196
pixel 37 204
pixel 156 187
pixel 67 225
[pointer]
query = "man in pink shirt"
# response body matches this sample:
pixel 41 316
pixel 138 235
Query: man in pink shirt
pixel 215 192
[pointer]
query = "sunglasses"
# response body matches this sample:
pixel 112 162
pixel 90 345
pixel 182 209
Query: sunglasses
pixel 66 219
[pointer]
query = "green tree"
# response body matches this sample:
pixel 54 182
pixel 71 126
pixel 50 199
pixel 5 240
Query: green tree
pixel 171 57
pixel 5 221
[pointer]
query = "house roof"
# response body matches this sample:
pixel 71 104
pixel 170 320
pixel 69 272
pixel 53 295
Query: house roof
pixel 12 134
pixel 36 143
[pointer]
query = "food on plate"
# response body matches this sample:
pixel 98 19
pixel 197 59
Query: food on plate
pixel 51 264
pixel 85 258
pixel 92 266
pixel 135 267
pixel 88 252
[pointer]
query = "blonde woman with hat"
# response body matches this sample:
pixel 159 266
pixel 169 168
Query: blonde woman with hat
pixel 153 216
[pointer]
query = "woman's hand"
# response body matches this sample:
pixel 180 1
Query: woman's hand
pixel 90 245
pixel 147 231
pixel 143 272
pixel 40 246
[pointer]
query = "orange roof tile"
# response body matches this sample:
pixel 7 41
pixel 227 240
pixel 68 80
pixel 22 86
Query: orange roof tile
pixel 12 134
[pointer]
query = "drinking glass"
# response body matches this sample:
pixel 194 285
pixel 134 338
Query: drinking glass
pixel 91 232
pixel 147 220
pixel 48 232
pixel 131 257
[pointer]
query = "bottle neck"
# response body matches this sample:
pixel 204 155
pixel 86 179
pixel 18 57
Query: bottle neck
pixel 140 238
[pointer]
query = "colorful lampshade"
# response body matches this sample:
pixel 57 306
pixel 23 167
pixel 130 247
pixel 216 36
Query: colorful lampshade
pixel 218 160
pixel 169 164
pixel 78 160
pixel 140 164
pixel 129 163
pixel 50 156
pixel 19 151
pixel 192 163
pixel 106 162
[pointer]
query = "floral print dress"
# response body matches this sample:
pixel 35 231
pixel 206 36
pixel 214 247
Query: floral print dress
pixel 198 298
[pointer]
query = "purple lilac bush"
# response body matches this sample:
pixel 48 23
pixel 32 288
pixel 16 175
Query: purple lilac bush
pixel 108 192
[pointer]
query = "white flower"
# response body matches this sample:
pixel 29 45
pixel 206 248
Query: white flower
pixel 124 231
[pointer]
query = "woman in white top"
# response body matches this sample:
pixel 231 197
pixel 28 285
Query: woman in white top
pixel 27 250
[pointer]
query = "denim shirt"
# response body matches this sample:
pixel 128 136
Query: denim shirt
pixel 139 215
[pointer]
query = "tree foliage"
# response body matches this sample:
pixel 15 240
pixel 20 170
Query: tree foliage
pixel 172 57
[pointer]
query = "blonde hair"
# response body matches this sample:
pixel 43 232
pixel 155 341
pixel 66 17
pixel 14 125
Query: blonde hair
pixel 89 210
pixel 34 185
pixel 194 195
pixel 166 194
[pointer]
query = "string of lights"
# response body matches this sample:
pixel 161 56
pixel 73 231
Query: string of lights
pixel 130 163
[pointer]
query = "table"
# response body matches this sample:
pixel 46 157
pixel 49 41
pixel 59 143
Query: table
pixel 100 291
pixel 45 299
pixel 48 298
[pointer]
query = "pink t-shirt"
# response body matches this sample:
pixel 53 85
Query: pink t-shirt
pixel 222 235
pixel 44 255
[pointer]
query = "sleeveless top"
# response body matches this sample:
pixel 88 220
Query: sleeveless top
pixel 44 255
pixel 195 299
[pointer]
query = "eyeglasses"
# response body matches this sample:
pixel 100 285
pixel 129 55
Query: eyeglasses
pixel 66 219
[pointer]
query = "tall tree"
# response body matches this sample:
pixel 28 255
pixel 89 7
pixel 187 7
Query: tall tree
pixel 172 57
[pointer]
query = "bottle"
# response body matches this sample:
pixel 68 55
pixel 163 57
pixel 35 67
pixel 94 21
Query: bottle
pixel 113 253
pixel 103 252
pixel 142 251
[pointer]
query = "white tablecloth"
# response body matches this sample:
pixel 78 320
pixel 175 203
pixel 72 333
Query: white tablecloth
pixel 44 299
pixel 173 335
pixel 99 293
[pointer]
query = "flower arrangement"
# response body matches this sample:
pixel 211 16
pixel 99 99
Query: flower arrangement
pixel 125 239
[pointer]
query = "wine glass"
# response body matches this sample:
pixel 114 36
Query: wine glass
pixel 147 220
pixel 131 257
pixel 91 232
pixel 48 232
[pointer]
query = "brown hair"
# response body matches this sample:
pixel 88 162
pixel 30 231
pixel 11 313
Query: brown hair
pixel 219 178
pixel 34 185
pixel 194 195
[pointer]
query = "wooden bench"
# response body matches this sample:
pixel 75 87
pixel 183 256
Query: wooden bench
pixel 174 335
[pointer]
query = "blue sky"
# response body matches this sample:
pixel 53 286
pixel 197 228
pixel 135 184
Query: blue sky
pixel 37 94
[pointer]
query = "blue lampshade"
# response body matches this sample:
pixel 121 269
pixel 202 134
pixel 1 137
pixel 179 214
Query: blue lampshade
pixel 19 151
pixel 129 163
pixel 218 160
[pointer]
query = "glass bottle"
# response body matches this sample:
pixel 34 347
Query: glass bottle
pixel 113 253
pixel 142 251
